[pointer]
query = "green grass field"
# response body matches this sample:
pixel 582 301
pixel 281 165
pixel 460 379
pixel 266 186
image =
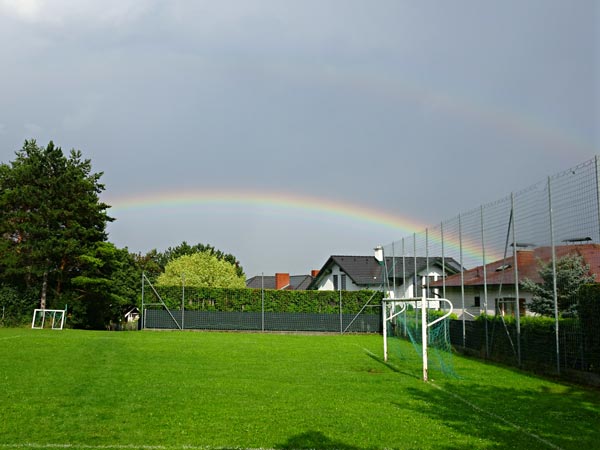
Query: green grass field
pixel 186 390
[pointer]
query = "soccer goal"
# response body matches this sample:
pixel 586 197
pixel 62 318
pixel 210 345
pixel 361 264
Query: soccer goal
pixel 49 318
pixel 401 315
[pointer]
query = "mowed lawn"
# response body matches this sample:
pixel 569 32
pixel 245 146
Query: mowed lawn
pixel 176 390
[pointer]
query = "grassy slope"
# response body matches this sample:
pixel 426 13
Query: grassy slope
pixel 263 390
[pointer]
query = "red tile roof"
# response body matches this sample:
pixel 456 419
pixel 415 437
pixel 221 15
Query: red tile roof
pixel 528 262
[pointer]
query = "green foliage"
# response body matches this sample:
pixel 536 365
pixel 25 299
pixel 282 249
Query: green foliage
pixel 106 285
pixel 571 274
pixel 50 214
pixel 251 300
pixel 589 315
pixel 16 305
pixel 149 263
pixel 433 314
pixel 161 259
pixel 538 337
pixel 201 270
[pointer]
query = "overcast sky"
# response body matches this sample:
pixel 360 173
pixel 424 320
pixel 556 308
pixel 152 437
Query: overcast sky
pixel 413 109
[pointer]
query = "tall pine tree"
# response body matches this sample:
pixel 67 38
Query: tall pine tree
pixel 50 215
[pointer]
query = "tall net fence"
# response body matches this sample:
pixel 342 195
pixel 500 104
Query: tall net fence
pixel 524 261
pixel 177 307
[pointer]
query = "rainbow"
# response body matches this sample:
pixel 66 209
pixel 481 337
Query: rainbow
pixel 293 203
pixel 279 201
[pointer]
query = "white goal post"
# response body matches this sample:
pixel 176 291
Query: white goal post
pixel 389 313
pixel 54 317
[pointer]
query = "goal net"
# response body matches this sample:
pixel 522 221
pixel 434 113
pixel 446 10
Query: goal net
pixel 425 325
pixel 48 318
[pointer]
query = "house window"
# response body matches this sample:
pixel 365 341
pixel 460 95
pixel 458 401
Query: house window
pixel 335 282
pixel 343 282
pixel 418 288
pixel 477 301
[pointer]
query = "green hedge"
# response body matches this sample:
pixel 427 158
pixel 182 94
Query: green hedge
pixel 537 342
pixel 589 315
pixel 219 299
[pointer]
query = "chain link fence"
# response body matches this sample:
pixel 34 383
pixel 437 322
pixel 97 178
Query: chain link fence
pixel 272 310
pixel 524 259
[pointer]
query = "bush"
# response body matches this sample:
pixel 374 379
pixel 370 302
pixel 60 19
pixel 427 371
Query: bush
pixel 16 306
pixel 251 300
pixel 589 314
pixel 538 340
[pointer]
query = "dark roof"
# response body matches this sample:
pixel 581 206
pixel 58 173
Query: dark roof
pixel 528 261
pixel 366 270
pixel 297 282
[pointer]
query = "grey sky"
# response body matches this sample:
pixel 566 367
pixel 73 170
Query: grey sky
pixel 420 109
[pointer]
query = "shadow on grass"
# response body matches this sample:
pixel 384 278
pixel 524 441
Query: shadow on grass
pixel 392 367
pixel 314 439
pixel 511 416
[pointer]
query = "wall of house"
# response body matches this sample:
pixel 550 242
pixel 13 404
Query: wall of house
pixel 327 282
pixel 399 291
pixel 470 310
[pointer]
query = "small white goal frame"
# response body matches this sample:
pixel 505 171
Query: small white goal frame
pixel 57 322
pixel 419 303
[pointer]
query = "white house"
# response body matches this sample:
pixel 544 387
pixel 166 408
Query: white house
pixel 399 277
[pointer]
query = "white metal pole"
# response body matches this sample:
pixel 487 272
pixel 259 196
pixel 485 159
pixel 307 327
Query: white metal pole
pixel 384 316
pixel 424 333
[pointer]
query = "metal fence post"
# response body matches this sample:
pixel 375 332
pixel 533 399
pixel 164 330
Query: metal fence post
pixel 182 301
pixel 393 270
pixel 262 301
pixel 554 286
pixel 403 270
pixel 485 291
pixel 516 272
pixel 462 283
pixel 341 317
pixel 597 172
pixel 415 277
pixel 404 283
pixel 143 313
pixel 427 261
pixel 443 261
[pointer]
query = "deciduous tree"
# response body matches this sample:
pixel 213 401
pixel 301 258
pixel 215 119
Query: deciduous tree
pixel 201 269
pixel 186 249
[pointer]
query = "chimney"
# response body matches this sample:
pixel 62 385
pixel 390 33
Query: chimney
pixel 379 254
pixel 525 258
pixel 314 273
pixel 282 280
